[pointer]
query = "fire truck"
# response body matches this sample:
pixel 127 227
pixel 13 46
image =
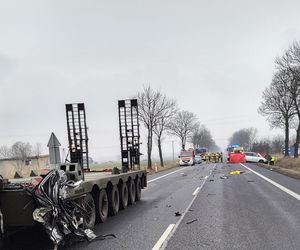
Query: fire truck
pixel 187 157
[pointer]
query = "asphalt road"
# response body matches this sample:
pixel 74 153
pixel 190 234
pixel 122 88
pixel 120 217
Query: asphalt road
pixel 239 212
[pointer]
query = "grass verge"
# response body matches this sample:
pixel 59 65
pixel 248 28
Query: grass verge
pixel 287 166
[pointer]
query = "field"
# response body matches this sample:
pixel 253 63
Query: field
pixel 109 165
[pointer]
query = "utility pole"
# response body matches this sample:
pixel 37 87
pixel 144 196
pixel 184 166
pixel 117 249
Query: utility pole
pixel 173 149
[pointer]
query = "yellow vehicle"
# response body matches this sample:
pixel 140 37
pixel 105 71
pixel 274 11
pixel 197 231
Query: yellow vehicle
pixel 238 150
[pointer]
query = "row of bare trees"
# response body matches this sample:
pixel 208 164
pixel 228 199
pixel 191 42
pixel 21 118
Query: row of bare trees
pixel 244 137
pixel 281 100
pixel 202 137
pixel 268 145
pixel 20 150
pixel 248 139
pixel 160 116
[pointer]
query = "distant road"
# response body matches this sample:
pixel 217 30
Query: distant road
pixel 242 212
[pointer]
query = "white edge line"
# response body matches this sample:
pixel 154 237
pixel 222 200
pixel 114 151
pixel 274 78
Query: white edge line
pixel 165 175
pixel 163 237
pixel 284 189
pixel 164 245
pixel 196 191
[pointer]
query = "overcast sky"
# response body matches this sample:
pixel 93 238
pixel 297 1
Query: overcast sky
pixel 214 57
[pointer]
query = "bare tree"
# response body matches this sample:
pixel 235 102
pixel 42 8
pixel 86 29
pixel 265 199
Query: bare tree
pixel 202 137
pixel 262 146
pixel 183 125
pixel 21 150
pixel 244 137
pixel 152 106
pixel 37 149
pixel 5 152
pixel 278 104
pixel 168 109
pixel 277 144
pixel 290 64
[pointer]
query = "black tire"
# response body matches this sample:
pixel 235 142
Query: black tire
pixel 138 186
pixel 131 192
pixel 102 207
pixel 261 161
pixel 88 204
pixel 113 201
pixel 123 192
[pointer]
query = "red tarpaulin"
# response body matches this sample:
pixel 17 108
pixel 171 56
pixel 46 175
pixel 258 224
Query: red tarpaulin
pixel 237 158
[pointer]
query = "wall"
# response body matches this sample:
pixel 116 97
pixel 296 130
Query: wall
pixel 8 167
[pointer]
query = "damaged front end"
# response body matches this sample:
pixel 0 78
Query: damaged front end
pixel 63 218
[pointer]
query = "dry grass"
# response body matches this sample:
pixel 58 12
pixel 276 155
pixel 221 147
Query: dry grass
pixel 289 163
pixel 287 166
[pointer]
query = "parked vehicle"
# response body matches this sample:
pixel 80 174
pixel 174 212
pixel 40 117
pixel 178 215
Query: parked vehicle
pixel 198 159
pixel 187 157
pixel 201 151
pixel 255 157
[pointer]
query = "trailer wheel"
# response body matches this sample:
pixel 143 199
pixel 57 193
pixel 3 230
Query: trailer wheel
pixel 131 192
pixel 90 215
pixel 123 196
pixel 114 201
pixel 138 189
pixel 102 207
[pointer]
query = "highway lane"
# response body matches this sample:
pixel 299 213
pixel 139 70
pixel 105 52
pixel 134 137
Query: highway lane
pixel 241 212
pixel 139 226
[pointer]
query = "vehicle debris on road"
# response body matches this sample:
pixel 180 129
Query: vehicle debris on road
pixel 224 177
pixel 236 172
pixel 192 221
pixel 177 213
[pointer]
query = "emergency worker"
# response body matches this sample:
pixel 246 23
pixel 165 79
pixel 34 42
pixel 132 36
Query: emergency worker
pixel 213 157
pixel 217 157
pixel 208 157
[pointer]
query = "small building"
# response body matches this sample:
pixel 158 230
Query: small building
pixel 10 166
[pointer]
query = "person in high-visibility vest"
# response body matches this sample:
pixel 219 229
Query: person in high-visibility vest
pixel 213 157
pixel 208 157
pixel 273 160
